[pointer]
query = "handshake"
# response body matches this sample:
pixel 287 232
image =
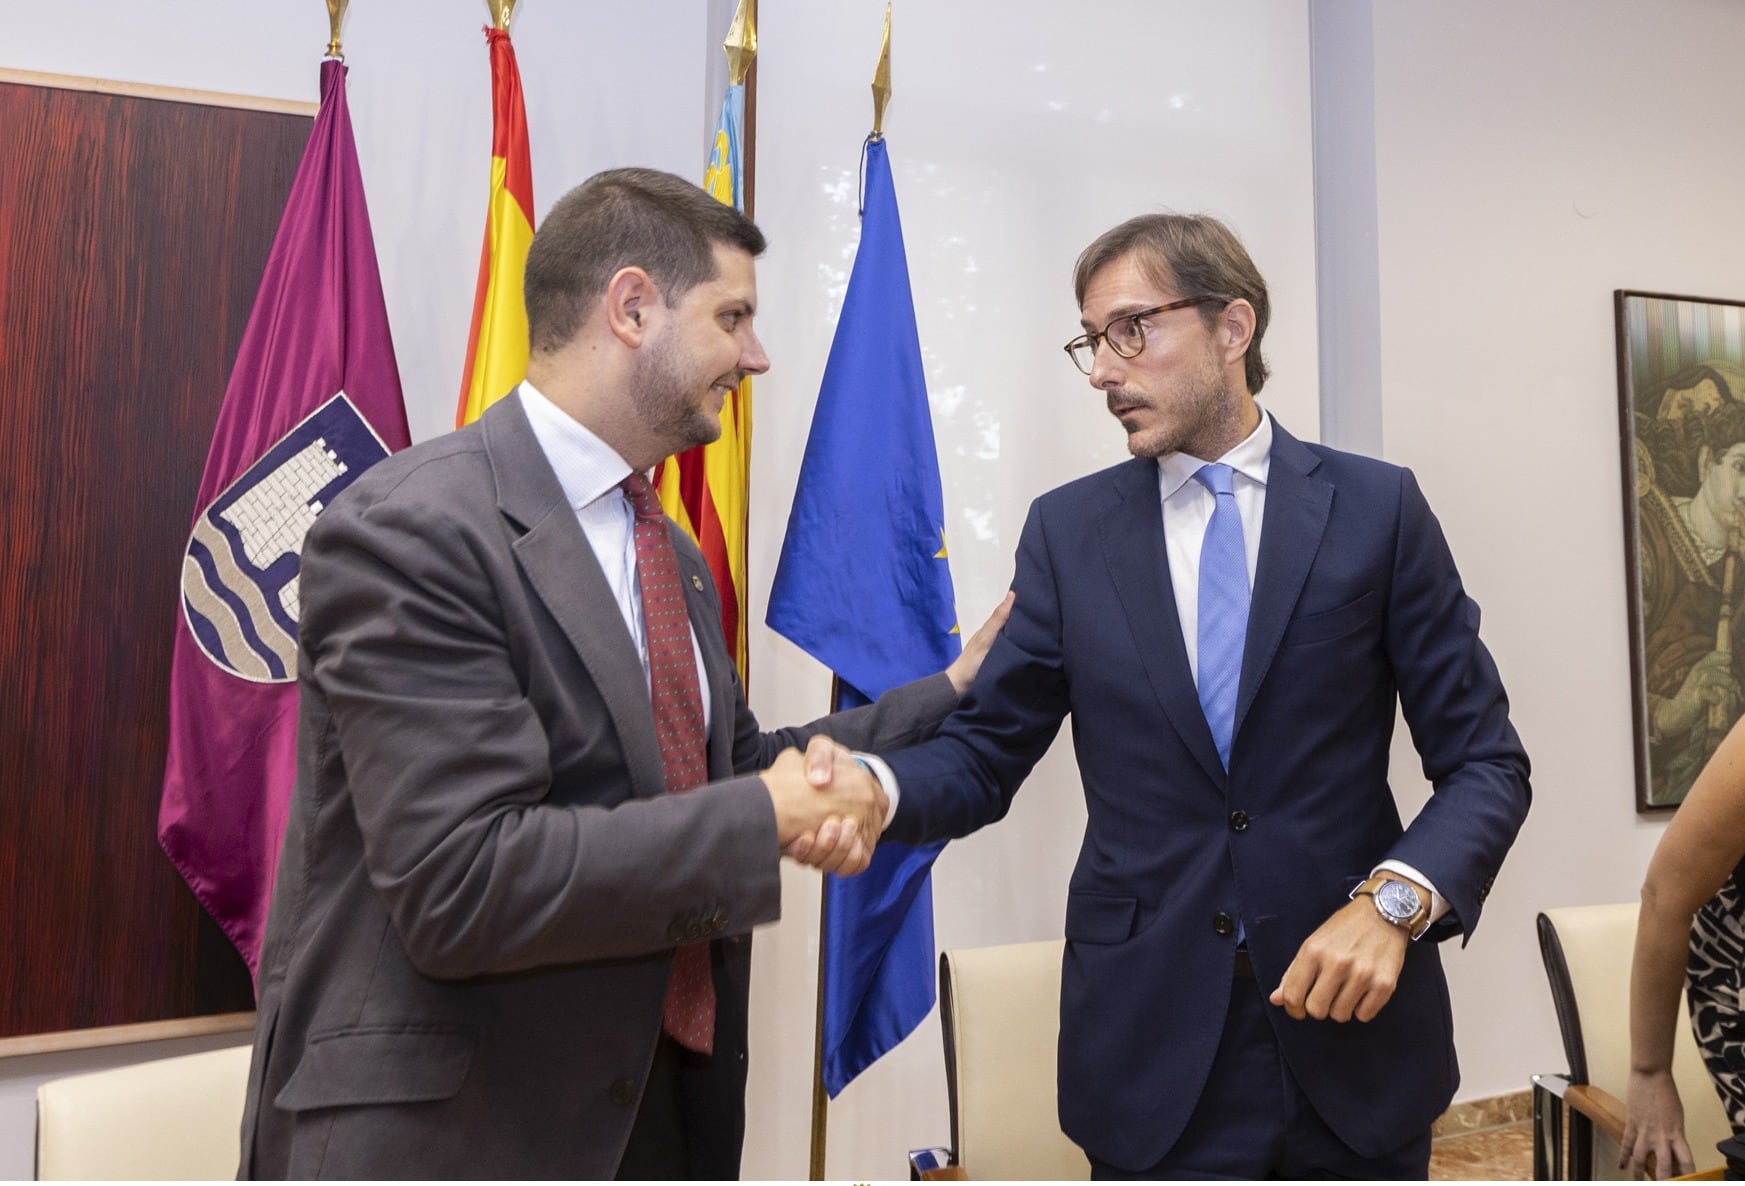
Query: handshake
pixel 829 809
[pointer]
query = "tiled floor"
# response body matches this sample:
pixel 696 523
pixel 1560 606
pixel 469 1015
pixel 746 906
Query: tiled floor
pixel 1502 1154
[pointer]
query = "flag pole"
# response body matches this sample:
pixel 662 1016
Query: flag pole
pixel 335 17
pixel 501 11
pixel 741 48
pixel 821 1098
pixel 881 90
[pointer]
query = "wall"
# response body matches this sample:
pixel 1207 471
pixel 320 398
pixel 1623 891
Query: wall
pixel 1526 160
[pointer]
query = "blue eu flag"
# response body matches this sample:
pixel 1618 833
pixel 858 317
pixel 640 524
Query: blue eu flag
pixel 863 587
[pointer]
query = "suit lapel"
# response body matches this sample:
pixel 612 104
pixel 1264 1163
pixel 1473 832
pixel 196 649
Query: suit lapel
pixel 559 563
pixel 1297 506
pixel 1131 530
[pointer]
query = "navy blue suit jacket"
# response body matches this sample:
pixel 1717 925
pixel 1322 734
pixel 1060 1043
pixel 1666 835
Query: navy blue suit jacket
pixel 1356 600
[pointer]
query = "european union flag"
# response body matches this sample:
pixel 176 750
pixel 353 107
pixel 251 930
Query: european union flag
pixel 863 586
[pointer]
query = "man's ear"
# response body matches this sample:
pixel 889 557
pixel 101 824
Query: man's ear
pixel 1236 328
pixel 630 294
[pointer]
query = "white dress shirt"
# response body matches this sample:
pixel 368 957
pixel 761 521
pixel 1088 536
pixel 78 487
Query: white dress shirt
pixel 589 471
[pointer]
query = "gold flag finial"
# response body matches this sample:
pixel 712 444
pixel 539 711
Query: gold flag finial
pixel 501 11
pixel 335 15
pixel 881 84
pixel 741 43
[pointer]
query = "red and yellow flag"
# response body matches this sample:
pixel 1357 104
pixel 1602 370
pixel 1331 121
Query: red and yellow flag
pixel 497 344
pixel 705 489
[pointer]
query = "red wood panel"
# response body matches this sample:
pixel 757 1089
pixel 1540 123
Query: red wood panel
pixel 133 233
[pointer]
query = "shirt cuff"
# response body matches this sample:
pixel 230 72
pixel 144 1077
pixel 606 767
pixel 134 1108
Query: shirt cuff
pixel 1438 904
pixel 877 766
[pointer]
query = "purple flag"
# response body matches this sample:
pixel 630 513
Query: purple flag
pixel 313 401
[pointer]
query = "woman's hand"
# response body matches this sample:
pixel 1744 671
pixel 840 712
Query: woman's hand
pixel 1654 1124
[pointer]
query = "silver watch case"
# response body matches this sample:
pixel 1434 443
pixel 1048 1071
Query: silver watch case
pixel 1398 902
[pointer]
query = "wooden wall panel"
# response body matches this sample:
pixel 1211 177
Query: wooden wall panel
pixel 133 233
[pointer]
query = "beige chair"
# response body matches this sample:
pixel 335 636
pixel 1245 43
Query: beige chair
pixel 171 1118
pixel 1587 952
pixel 999 1008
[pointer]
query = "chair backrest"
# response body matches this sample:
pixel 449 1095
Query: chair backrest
pixel 1000 1011
pixel 1587 952
pixel 171 1118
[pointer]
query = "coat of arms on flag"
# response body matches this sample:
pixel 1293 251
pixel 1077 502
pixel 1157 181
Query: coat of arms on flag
pixel 239 574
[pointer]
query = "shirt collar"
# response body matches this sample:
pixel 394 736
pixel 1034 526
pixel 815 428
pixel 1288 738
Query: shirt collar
pixel 1252 458
pixel 586 467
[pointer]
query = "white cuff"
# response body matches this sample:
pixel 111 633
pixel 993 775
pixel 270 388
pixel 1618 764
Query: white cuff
pixel 887 780
pixel 1438 904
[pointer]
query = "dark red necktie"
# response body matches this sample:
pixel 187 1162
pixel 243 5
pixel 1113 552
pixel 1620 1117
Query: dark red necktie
pixel 678 726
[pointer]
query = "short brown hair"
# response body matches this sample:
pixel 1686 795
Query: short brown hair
pixel 1193 254
pixel 622 218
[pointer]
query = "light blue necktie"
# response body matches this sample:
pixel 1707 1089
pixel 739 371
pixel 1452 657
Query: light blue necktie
pixel 1223 610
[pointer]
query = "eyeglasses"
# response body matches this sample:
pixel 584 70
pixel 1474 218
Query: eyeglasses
pixel 1126 333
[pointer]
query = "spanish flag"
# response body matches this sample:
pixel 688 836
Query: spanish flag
pixel 497 344
pixel 705 489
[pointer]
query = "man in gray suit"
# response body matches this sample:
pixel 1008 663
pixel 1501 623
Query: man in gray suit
pixel 469 964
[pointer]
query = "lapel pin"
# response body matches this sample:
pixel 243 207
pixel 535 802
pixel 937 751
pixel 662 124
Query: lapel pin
pixel 696 582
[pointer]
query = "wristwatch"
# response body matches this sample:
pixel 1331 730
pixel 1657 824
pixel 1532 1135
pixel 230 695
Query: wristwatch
pixel 1398 902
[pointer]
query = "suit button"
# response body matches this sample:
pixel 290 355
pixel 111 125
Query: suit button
pixel 1239 821
pixel 718 920
pixel 622 1092
pixel 1223 923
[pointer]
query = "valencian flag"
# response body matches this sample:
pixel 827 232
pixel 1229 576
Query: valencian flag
pixel 879 613
pixel 705 489
pixel 313 401
pixel 497 343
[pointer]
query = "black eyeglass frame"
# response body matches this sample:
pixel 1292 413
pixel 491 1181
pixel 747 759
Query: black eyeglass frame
pixel 1092 340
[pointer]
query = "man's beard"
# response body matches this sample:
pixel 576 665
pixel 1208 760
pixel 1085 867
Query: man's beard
pixel 666 398
pixel 1200 417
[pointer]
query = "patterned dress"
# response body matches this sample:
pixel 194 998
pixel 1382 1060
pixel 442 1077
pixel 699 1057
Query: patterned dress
pixel 1717 956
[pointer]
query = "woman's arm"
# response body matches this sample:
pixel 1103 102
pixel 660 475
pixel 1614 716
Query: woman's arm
pixel 1699 848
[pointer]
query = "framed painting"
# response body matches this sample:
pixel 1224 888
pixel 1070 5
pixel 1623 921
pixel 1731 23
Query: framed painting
pixel 1681 394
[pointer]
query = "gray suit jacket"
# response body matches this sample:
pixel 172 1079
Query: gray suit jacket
pixel 483 879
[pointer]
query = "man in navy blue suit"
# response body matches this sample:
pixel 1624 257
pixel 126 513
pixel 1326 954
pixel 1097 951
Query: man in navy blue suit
pixel 1251 986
